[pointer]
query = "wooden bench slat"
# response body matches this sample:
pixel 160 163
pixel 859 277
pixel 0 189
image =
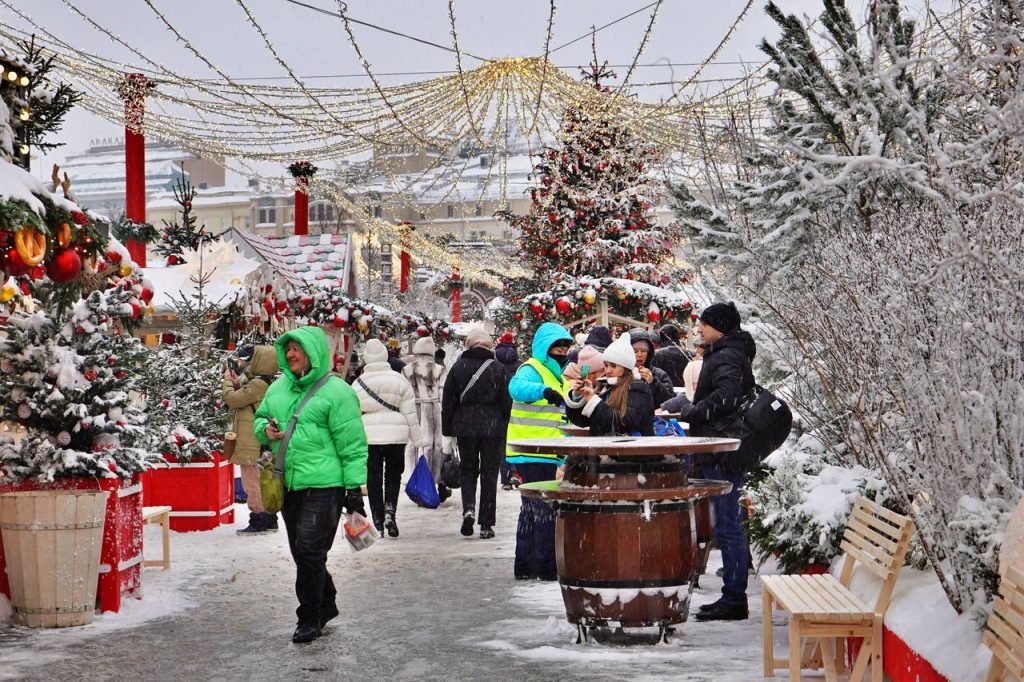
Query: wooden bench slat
pixel 866 560
pixel 1013 661
pixel 843 593
pixel 881 557
pixel 879 525
pixel 898 519
pixel 816 604
pixel 782 593
pixel 890 544
pixel 1011 615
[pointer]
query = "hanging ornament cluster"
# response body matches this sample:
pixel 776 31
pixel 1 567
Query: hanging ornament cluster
pixel 579 299
pixel 331 309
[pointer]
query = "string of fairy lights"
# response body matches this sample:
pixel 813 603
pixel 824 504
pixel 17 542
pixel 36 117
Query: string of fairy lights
pixel 492 108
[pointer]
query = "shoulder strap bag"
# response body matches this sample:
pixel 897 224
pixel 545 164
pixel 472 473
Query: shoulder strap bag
pixel 376 397
pixel 474 378
pixel 283 448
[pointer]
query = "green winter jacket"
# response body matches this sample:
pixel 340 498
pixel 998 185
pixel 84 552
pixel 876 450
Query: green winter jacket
pixel 328 446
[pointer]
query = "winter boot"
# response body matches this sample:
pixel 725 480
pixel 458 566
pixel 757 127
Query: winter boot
pixel 255 526
pixel 486 532
pixel 516 479
pixel 720 611
pixel 467 523
pixel 305 634
pixel 269 522
pixel 389 521
pixel 443 491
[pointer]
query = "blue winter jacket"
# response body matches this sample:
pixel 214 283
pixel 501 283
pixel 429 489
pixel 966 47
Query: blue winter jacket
pixel 527 386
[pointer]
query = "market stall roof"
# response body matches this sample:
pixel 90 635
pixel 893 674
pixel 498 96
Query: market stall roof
pixel 322 260
pixel 221 261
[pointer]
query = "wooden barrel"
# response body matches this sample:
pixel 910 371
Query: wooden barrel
pixel 634 473
pixel 52 541
pixel 628 562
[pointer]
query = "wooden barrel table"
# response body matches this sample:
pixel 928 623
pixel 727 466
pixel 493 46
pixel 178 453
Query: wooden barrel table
pixel 625 532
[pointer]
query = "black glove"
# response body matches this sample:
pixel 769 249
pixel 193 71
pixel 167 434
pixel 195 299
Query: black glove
pixel 553 397
pixel 354 502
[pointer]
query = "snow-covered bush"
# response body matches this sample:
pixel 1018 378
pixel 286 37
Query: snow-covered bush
pixel 802 504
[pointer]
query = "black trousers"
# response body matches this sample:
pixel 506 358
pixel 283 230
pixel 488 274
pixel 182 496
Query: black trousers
pixel 480 458
pixel 311 518
pixel 384 467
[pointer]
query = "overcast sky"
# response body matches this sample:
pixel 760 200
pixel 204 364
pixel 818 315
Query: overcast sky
pixel 686 32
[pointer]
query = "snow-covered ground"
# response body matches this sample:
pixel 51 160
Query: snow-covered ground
pixel 430 605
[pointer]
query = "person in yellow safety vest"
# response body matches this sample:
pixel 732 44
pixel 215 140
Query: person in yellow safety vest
pixel 538 392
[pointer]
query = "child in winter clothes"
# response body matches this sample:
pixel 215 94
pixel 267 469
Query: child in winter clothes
pixel 475 410
pixel 657 379
pixel 625 406
pixel 427 380
pixel 388 407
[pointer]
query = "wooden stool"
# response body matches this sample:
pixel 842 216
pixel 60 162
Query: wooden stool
pixel 161 515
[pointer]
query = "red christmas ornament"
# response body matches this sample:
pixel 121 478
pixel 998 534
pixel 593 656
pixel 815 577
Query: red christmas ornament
pixel 79 218
pixel 172 260
pixel 338 321
pixel 90 375
pixel 536 307
pixel 136 311
pixel 112 257
pixel 422 331
pixel 147 295
pixel 268 306
pixel 37 272
pixel 518 316
pixel 13 264
pixel 64 266
pixel 281 307
pixel 653 316
pixel 563 306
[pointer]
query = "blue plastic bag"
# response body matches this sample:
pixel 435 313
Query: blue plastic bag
pixel 670 427
pixel 421 488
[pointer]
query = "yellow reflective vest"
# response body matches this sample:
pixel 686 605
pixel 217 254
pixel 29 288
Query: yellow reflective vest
pixel 536 420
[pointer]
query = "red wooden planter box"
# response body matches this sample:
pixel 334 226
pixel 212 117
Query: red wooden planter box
pixel 201 495
pixel 901 663
pixel 121 554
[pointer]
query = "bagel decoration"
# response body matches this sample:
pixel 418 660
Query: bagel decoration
pixel 30 244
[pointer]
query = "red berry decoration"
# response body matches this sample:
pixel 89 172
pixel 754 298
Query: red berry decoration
pixel 79 218
pixel 64 266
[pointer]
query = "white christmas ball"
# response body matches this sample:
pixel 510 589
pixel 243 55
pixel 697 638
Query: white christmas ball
pixel 63 438
pixel 114 413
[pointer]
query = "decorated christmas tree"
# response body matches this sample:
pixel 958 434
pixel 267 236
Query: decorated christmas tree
pixel 178 237
pixel 590 235
pixel 592 201
pixel 183 380
pixel 71 384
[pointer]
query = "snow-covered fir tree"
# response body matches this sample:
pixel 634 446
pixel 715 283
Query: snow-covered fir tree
pixel 70 385
pixel 883 235
pixel 592 201
pixel 185 235
pixel 183 380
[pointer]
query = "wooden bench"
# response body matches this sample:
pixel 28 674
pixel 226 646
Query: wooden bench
pixel 1005 633
pixel 162 516
pixel 822 609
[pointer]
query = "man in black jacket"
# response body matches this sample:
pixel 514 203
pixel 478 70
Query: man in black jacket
pixel 671 358
pixel 475 409
pixel 725 379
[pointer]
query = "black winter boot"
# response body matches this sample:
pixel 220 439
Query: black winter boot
pixel 389 521
pixel 467 523
pixel 443 491
pixel 269 522
pixel 255 526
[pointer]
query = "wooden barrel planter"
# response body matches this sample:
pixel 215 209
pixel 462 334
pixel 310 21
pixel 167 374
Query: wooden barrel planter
pixel 52 541
pixel 626 532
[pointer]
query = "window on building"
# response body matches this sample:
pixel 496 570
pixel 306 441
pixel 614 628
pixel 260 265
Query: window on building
pixel 268 215
pixel 385 260
pixel 378 212
pixel 423 216
pixel 479 209
pixel 451 211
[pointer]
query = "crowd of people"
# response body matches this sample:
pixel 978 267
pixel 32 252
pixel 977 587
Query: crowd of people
pixel 340 434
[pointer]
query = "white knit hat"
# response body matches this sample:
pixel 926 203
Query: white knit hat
pixel 375 351
pixel 621 352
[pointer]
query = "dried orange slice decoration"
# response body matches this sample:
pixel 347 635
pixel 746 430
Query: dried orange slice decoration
pixel 31 245
pixel 64 235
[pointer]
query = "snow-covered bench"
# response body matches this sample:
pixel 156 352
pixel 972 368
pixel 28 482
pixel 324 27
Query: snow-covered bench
pixel 823 610
pixel 1005 634
pixel 162 516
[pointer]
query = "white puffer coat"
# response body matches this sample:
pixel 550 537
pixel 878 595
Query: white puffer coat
pixel 383 425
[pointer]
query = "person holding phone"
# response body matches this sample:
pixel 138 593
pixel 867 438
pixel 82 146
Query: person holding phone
pixel 618 403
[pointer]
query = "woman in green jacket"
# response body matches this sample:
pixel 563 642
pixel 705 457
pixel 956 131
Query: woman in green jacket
pixel 324 466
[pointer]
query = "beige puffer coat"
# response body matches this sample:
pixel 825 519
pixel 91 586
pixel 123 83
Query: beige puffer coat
pixel 245 398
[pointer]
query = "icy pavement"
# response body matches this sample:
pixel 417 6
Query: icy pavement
pixel 430 605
